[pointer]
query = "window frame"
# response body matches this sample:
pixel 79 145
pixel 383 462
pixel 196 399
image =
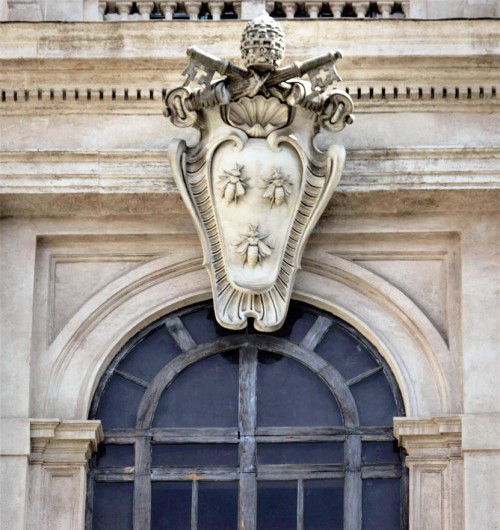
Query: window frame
pixel 248 435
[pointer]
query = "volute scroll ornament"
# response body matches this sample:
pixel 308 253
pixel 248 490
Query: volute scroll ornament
pixel 255 183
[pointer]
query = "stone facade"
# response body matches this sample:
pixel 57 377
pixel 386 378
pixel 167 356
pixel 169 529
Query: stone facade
pixel 96 242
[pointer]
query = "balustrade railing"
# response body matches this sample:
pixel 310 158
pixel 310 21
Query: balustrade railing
pixel 120 10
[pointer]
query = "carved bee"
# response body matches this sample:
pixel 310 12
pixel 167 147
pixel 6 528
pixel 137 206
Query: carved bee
pixel 232 184
pixel 278 188
pixel 253 247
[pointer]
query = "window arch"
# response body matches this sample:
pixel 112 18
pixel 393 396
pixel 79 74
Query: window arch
pixel 207 428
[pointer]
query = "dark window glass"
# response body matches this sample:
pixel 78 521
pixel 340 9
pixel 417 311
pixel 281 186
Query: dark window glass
pixel 324 505
pixel 118 406
pixel 188 455
pixel 277 505
pixel 204 395
pixel 113 506
pixel 289 394
pixel 298 322
pixel 345 353
pixel 201 326
pixel 291 401
pixel 217 505
pixel 300 453
pixel 375 400
pixel 114 455
pixel 381 504
pixel 380 453
pixel 150 355
pixel 171 505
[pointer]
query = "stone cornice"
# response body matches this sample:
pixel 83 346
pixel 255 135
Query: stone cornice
pixel 430 438
pixel 149 172
pixel 459 97
pixel 389 65
pixel 56 443
pixel 146 40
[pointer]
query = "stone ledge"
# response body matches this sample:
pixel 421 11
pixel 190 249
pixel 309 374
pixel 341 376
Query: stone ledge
pixel 149 172
pixel 145 40
pixel 430 439
pixel 478 97
pixel 55 442
pixel 440 426
pixel 167 204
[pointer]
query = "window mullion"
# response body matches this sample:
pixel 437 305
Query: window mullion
pixel 142 484
pixel 194 505
pixel 352 483
pixel 247 425
pixel 300 504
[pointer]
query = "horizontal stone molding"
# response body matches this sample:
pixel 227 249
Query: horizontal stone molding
pixel 149 172
pixel 439 438
pixel 143 40
pixel 369 98
pixel 123 68
pixel 62 443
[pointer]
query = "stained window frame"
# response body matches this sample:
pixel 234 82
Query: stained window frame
pixel 248 435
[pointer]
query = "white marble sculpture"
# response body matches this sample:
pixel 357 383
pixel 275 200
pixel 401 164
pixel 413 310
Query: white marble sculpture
pixel 255 183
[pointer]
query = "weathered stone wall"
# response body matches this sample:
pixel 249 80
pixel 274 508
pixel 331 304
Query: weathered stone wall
pixel 96 242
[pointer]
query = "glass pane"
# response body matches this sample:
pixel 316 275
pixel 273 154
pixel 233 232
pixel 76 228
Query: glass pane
pixel 114 455
pixel 171 505
pixel 119 403
pixel 345 353
pixel 113 506
pixel 380 453
pixel 298 322
pixel 150 355
pixel 375 400
pixel 379 493
pixel 289 394
pixel 217 505
pixel 201 326
pixel 203 395
pixel 300 453
pixel 189 455
pixel 277 505
pixel 324 504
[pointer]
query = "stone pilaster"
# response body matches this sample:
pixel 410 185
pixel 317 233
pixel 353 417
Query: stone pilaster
pixel 434 447
pixel 60 451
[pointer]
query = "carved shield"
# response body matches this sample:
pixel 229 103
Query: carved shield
pixel 255 193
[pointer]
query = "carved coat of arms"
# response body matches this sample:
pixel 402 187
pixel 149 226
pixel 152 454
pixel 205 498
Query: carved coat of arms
pixel 255 183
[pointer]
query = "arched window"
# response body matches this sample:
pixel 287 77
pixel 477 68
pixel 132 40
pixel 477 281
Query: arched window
pixel 211 429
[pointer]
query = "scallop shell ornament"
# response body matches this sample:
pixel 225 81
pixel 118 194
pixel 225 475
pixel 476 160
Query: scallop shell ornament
pixel 258 116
